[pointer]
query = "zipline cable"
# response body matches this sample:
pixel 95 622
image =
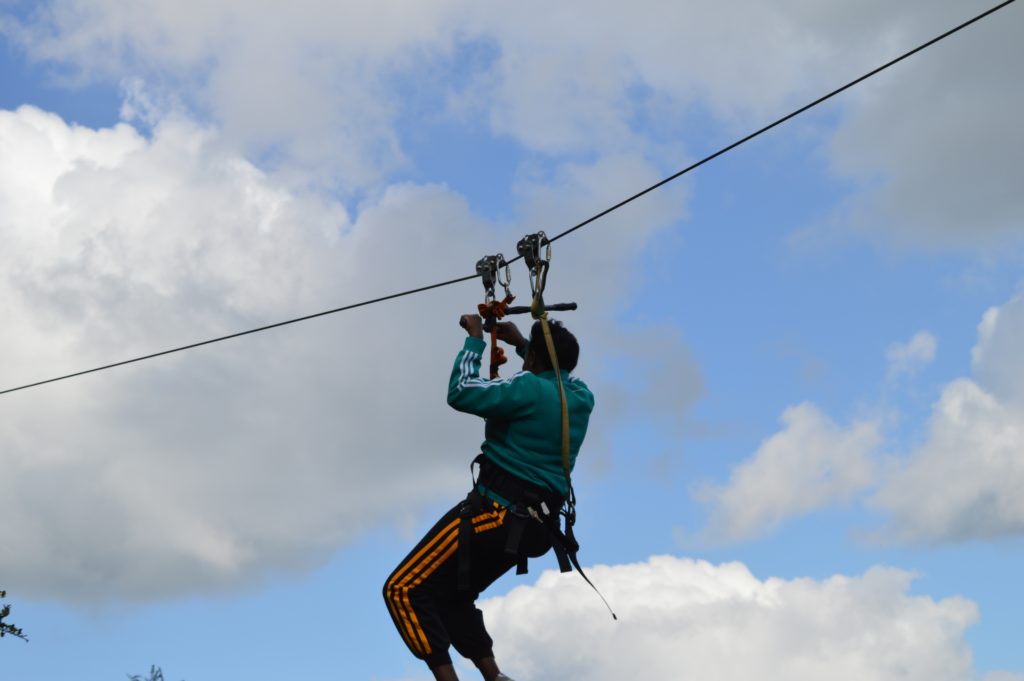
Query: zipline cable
pixel 572 229
pixel 244 333
pixel 780 121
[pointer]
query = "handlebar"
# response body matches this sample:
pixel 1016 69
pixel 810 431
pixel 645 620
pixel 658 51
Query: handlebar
pixel 523 309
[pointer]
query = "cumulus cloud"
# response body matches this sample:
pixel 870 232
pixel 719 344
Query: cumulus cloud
pixel 1004 676
pixel 961 484
pixel 687 619
pixel 932 144
pixel 553 90
pixel 810 464
pixel 906 358
pixel 209 469
pixel 307 82
pixel 964 482
pixel 996 359
pixel 117 243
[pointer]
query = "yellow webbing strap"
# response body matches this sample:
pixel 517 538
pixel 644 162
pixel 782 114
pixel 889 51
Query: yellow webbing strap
pixel 538 313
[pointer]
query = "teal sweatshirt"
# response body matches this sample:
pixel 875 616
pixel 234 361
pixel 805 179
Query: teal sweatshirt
pixel 523 433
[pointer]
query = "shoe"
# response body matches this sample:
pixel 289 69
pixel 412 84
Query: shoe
pixel 501 677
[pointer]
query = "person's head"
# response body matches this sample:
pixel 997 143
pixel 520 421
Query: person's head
pixel 566 347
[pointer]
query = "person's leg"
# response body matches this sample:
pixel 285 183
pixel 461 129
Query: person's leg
pixel 489 561
pixel 445 673
pixel 423 599
pixel 413 590
pixel 422 593
pixel 488 668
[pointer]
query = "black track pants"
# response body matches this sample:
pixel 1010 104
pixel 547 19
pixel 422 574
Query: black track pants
pixel 422 593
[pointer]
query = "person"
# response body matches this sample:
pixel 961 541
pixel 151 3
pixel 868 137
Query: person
pixel 510 515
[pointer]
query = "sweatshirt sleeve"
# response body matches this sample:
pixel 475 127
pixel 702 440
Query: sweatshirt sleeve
pixel 511 397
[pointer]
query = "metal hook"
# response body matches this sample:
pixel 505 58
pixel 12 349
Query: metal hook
pixel 507 282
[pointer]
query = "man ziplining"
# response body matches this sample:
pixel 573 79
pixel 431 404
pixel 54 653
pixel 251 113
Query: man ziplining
pixel 512 512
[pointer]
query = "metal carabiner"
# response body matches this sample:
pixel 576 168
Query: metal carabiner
pixel 505 283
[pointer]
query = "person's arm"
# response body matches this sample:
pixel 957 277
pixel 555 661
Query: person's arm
pixel 503 398
pixel 509 333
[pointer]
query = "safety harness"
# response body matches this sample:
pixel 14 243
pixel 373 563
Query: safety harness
pixel 527 502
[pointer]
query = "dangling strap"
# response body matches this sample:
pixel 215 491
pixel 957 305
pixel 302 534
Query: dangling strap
pixel 561 396
pixel 492 311
pixel 538 312
pixel 571 550
pixel 565 545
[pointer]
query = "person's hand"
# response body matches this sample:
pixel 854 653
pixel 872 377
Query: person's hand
pixel 473 325
pixel 509 333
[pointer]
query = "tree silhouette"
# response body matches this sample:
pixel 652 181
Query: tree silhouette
pixel 6 627
pixel 155 674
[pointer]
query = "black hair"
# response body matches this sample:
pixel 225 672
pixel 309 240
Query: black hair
pixel 566 346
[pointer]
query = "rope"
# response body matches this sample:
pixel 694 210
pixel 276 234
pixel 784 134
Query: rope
pixel 240 333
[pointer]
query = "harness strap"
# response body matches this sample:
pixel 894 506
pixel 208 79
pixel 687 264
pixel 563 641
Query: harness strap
pixel 491 311
pixel 565 545
pixel 470 507
pixel 516 525
pixel 572 548
pixel 561 394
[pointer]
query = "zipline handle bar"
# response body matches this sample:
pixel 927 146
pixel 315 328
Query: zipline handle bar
pixel 525 309
pixel 555 307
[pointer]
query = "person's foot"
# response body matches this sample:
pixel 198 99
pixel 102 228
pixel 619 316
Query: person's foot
pixel 501 677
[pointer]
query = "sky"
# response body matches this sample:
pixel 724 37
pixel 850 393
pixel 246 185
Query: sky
pixel 808 446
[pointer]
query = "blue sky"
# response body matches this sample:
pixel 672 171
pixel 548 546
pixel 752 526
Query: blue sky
pixel 807 450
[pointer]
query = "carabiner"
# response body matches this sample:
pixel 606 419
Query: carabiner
pixel 507 281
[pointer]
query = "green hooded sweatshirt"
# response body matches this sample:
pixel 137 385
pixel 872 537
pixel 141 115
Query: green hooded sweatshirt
pixel 523 434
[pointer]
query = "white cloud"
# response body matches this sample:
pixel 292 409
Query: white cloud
pixel 961 483
pixel 307 81
pixel 909 357
pixel 964 482
pixel 810 464
pixel 212 468
pixel 935 142
pixel 996 359
pixel 321 87
pixel 274 74
pixel 686 619
pixel 1004 676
